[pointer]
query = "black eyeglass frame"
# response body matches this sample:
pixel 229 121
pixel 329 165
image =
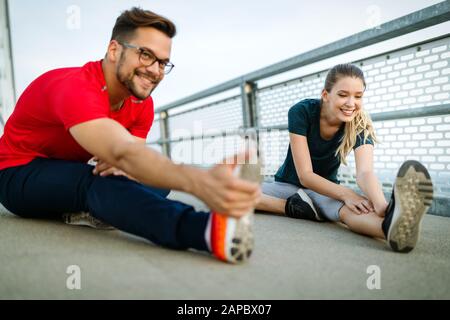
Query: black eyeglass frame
pixel 165 65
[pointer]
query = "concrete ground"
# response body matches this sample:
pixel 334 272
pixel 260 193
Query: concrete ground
pixel 293 259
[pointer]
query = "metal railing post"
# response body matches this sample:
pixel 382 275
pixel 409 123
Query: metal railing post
pixel 249 111
pixel 164 127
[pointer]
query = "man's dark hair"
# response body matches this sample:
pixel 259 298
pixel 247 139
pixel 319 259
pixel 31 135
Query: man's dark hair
pixel 134 18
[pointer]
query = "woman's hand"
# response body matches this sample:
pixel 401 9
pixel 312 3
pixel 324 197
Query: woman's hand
pixel 357 203
pixel 380 209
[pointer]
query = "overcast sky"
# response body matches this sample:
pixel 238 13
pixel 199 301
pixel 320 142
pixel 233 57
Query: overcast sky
pixel 216 40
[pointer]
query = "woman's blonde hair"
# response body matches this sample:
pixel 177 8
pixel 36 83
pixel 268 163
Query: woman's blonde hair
pixel 362 122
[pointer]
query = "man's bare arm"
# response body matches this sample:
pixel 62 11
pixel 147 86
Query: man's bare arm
pixel 217 187
pixel 104 169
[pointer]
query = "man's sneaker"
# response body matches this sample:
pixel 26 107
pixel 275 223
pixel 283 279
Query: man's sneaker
pixel 411 198
pixel 231 238
pixel 300 206
pixel 85 219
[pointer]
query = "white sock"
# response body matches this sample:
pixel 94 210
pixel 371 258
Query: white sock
pixel 208 232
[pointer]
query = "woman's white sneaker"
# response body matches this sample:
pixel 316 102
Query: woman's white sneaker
pixel 411 198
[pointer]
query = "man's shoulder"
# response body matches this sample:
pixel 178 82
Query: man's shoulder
pixel 72 76
pixel 75 88
pixel 57 74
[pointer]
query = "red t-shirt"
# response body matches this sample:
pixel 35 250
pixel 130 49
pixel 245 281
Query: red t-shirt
pixel 58 100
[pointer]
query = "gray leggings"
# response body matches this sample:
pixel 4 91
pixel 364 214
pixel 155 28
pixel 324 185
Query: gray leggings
pixel 327 207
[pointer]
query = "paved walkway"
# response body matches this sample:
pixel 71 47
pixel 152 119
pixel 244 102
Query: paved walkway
pixel 293 259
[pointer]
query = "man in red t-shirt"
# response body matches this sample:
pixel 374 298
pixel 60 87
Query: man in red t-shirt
pixel 104 110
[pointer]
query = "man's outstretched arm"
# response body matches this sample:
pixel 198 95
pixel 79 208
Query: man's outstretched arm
pixel 104 169
pixel 217 187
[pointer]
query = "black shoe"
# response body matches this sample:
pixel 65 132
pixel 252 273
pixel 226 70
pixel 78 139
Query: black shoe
pixel 300 206
pixel 411 198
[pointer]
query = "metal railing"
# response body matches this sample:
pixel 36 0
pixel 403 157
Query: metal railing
pixel 407 96
pixel 7 82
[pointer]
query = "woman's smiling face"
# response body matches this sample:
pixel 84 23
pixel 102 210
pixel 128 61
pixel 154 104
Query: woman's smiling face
pixel 345 98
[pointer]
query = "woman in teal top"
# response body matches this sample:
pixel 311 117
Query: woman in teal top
pixel 322 133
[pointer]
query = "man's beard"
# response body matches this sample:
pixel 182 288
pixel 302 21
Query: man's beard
pixel 127 80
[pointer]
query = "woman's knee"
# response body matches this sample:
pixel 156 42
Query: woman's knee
pixel 345 213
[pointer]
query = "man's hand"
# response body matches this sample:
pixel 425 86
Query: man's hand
pixel 225 193
pixel 104 169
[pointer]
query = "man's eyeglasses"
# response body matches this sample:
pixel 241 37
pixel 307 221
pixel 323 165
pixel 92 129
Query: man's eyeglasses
pixel 147 58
